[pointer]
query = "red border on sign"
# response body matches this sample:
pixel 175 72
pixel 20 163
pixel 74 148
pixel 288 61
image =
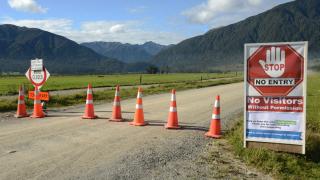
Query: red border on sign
pixel 44 79
pixel 275 94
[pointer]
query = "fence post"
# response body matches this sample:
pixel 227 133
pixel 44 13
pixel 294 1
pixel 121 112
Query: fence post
pixel 140 79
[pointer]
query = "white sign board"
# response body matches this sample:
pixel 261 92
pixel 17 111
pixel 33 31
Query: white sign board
pixel 275 93
pixel 37 65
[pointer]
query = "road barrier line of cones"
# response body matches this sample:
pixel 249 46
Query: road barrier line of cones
pixel 172 121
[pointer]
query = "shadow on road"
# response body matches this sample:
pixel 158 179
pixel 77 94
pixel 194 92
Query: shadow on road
pixel 197 128
pixel 184 125
pixel 61 111
pixel 63 115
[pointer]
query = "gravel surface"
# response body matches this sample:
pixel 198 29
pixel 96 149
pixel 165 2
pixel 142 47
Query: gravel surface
pixel 64 146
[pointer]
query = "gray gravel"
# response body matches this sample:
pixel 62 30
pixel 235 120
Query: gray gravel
pixel 64 146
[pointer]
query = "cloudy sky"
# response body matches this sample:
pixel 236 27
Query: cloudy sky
pixel 129 21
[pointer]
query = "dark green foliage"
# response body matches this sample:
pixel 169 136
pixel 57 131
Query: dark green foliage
pixel 152 69
pixel 222 48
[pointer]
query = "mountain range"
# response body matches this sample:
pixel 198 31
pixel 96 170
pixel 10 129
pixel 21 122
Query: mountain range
pixel 126 52
pixel 222 48
pixel 219 49
pixel 20 44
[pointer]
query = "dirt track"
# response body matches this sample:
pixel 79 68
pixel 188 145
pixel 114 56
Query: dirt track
pixel 63 146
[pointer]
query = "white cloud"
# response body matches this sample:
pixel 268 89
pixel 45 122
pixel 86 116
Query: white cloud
pixel 53 25
pixel 118 28
pixel 223 12
pixel 124 31
pixel 209 10
pixel 27 6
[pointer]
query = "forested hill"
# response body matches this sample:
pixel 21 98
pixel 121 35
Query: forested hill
pixel 20 44
pixel 222 48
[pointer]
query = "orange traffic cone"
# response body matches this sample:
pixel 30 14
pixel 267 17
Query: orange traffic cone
pixel 37 107
pixel 89 111
pixel 116 109
pixel 215 126
pixel 21 109
pixel 173 114
pixel 138 115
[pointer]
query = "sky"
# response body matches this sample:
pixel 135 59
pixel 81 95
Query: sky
pixel 130 21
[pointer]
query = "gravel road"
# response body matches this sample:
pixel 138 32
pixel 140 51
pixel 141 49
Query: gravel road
pixel 64 146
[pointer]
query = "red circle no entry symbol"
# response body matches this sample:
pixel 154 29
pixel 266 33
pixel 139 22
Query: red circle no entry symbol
pixel 275 70
pixel 38 80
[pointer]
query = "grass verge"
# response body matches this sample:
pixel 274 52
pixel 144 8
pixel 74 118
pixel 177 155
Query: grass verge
pixel 286 165
pixel 108 95
pixel 10 84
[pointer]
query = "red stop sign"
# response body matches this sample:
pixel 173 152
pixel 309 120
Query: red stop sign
pixel 292 68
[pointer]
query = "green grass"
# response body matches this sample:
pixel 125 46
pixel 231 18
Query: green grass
pixel 9 84
pixel 286 165
pixel 108 95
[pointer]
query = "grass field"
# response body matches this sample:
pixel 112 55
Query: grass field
pixel 286 165
pixel 108 95
pixel 9 84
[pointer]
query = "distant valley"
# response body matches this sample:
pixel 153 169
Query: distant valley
pixel 128 53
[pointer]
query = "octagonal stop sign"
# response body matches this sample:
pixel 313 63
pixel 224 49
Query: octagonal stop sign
pixel 275 70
